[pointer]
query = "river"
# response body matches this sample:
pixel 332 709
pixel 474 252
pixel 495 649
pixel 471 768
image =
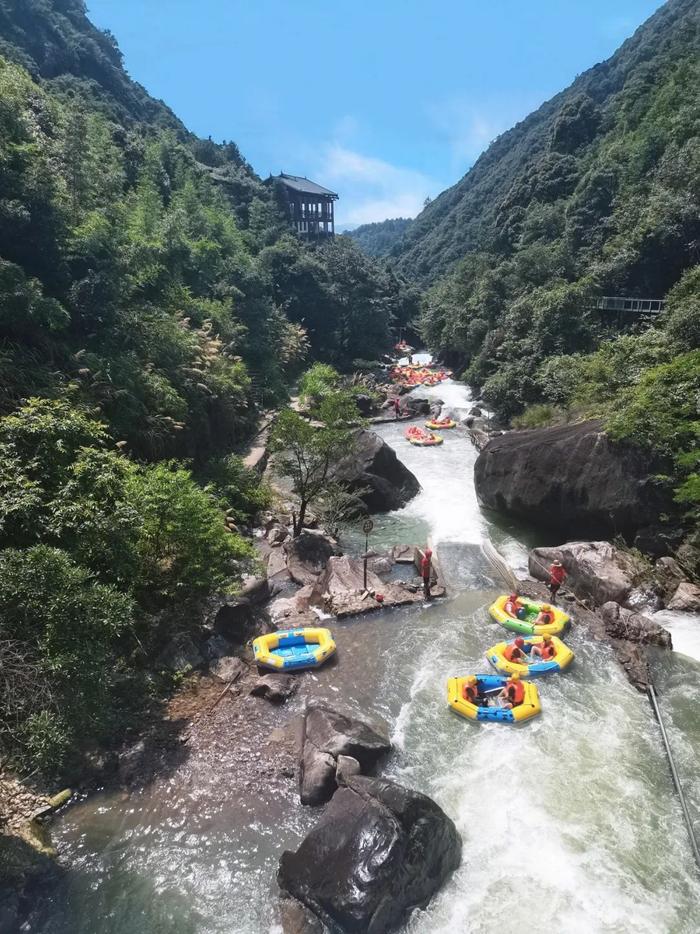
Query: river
pixel 569 822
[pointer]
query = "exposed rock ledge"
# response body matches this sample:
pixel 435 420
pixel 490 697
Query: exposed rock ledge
pixel 628 633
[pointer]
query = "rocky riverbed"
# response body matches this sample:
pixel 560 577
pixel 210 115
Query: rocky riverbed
pixel 211 796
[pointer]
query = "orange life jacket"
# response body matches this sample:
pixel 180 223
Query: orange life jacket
pixel 470 692
pixel 548 651
pixel 516 692
pixel 512 653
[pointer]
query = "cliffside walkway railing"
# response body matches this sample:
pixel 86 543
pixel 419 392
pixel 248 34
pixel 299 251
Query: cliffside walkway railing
pixel 644 308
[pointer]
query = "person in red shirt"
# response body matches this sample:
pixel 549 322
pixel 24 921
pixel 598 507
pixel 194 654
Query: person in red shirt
pixel 397 407
pixel 426 570
pixel 513 693
pixel 516 652
pixel 557 575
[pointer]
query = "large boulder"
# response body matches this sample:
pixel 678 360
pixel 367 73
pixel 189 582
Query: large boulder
pixel 686 597
pixel 570 475
pixel 595 570
pixel 327 736
pixel 374 470
pixel 308 554
pixel 378 851
pixel 621 623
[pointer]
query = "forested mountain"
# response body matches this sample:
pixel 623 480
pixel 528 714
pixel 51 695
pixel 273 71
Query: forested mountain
pixel 596 193
pixel 379 239
pixel 580 158
pixel 151 299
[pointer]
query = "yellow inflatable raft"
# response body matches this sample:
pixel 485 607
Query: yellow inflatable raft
pixel 489 686
pixel 535 666
pixel 437 424
pixel 288 649
pixel 525 625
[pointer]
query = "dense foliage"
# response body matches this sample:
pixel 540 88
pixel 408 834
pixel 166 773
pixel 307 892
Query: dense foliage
pixel 306 451
pixel 379 238
pixel 596 193
pixel 92 547
pixel 152 300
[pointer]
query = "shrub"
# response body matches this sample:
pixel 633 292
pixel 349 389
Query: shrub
pixel 538 416
pixel 64 627
pixel 184 546
pixel 318 381
pixel 241 490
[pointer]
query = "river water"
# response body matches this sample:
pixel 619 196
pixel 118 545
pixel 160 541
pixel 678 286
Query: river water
pixel 569 822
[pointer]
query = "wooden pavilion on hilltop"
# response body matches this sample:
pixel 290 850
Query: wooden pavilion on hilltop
pixel 309 206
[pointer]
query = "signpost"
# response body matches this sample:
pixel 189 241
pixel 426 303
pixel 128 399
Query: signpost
pixel 367 527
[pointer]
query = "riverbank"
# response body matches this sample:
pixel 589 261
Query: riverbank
pixel 191 847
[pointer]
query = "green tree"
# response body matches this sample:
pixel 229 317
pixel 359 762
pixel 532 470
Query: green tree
pixel 62 629
pixel 306 452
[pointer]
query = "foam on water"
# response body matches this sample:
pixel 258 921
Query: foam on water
pixel 684 629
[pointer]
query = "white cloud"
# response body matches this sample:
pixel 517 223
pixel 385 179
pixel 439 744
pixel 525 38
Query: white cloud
pixel 372 189
pixel 468 125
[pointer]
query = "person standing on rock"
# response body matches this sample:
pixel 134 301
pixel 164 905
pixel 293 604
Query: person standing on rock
pixel 397 407
pixel 557 574
pixel 426 570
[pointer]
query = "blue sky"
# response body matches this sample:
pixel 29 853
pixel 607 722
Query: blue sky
pixel 385 101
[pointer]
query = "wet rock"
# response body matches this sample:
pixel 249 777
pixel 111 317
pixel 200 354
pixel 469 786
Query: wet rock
pixel 346 767
pixel 378 851
pixel 130 762
pixel 381 565
pixel 216 647
pixel 619 627
pixel 404 554
pixel 595 570
pixel 326 736
pixel 317 775
pixel 181 654
pixel 375 472
pixel 292 612
pixel 475 411
pixel 275 687
pixel 229 668
pixel 296 918
pixel 234 619
pixel 668 575
pixel 474 423
pixel 570 475
pixel 686 597
pixel 658 540
pixel 420 405
pixel 308 554
pixel 621 623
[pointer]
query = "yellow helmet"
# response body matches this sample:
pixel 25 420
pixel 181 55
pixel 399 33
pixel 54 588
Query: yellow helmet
pixel 515 676
pixel 546 607
pixel 471 679
pixel 547 637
